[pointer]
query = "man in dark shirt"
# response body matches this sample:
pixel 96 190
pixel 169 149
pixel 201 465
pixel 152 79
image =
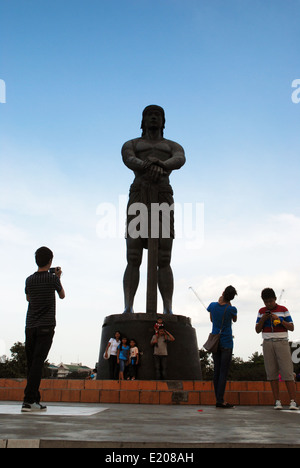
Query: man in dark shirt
pixel 40 323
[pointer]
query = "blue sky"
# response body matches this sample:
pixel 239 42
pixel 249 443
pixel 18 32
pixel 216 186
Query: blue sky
pixel 78 75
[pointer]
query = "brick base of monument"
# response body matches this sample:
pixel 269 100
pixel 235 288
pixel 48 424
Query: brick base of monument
pixel 144 392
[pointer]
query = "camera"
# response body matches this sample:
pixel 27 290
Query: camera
pixel 54 271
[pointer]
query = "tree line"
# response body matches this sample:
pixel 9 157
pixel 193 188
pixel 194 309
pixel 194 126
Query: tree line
pixel 251 370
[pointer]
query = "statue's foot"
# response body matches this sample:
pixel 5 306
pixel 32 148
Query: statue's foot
pixel 168 312
pixel 128 310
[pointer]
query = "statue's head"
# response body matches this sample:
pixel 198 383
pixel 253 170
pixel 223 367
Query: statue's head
pixel 153 109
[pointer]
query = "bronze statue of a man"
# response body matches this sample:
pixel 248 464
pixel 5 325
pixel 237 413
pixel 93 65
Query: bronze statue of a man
pixel 152 158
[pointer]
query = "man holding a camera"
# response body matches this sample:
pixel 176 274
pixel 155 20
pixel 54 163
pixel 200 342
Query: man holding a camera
pixel 40 323
pixel 275 321
pixel 160 342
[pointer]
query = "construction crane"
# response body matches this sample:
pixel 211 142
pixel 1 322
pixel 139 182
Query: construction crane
pixel 198 298
pixel 280 297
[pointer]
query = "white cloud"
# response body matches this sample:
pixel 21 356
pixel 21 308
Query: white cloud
pixel 12 234
pixel 248 302
pixel 249 255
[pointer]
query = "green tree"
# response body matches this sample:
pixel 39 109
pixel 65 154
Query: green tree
pixel 16 367
pixel 251 370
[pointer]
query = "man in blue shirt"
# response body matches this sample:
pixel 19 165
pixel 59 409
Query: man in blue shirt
pixel 222 314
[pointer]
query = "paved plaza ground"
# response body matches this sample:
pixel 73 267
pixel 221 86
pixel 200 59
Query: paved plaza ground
pixel 148 426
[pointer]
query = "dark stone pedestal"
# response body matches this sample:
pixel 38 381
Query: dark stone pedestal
pixel 183 358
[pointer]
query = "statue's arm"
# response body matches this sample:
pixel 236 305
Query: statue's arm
pixel 177 159
pixel 129 158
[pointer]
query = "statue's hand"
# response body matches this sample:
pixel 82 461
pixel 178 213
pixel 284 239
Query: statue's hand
pixel 146 164
pixel 155 172
pixel 153 160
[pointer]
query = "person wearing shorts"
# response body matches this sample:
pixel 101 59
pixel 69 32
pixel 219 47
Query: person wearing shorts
pixel 274 322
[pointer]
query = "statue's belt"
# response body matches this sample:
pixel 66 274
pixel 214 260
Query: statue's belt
pixel 147 193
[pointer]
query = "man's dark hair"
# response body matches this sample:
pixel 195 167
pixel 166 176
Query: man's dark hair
pixel 43 256
pixel 268 293
pixel 229 293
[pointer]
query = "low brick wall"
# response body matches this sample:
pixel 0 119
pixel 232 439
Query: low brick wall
pixel 144 392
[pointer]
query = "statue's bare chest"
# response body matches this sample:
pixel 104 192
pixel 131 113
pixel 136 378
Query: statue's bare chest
pixel 146 148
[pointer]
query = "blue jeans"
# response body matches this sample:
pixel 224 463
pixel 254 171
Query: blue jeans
pixel 222 360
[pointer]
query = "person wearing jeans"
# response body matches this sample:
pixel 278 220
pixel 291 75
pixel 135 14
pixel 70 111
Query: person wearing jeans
pixel 222 361
pixel 40 292
pixel 222 314
pixel 37 346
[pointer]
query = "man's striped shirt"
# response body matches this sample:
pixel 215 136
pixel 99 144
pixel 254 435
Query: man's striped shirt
pixel 270 330
pixel 41 287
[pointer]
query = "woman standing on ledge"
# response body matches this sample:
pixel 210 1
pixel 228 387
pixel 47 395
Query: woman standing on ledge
pixel 111 354
pixel 222 314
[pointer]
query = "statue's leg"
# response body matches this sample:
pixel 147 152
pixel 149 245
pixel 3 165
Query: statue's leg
pixel 132 272
pixel 165 274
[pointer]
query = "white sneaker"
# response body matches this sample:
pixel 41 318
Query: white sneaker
pixel 293 406
pixel 278 405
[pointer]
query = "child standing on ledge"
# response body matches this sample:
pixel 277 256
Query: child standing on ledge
pixel 133 360
pixel 123 356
